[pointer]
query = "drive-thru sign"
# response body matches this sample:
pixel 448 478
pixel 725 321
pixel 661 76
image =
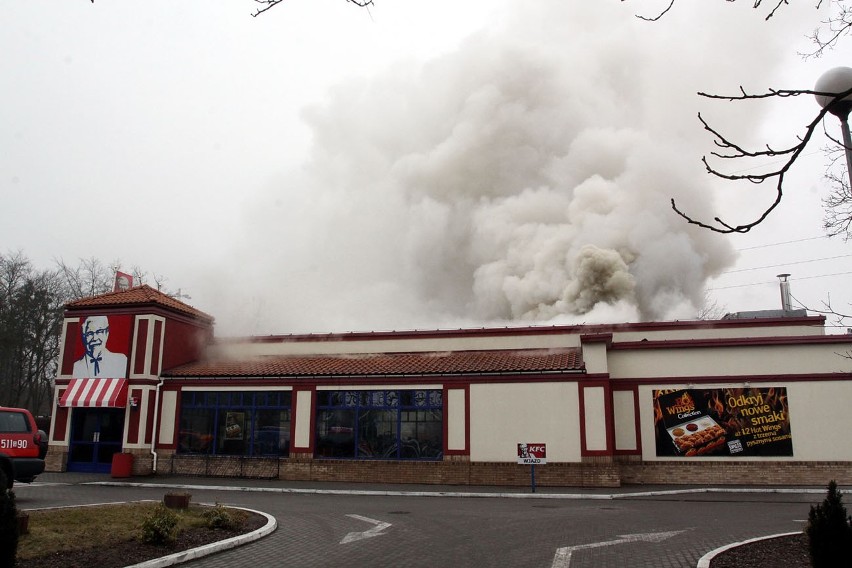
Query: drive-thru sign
pixel 532 454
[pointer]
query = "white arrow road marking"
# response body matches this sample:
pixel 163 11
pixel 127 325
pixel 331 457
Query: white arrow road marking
pixel 562 558
pixel 375 531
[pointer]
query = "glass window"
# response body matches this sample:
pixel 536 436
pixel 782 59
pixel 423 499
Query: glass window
pixel 14 422
pixel 377 434
pixel 272 432
pixel 235 423
pixel 196 430
pixel 378 424
pixel 421 433
pixel 336 433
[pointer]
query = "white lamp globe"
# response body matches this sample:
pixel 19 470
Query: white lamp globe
pixel 837 80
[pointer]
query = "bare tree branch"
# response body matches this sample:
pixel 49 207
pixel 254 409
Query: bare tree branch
pixel 840 318
pixel 831 30
pixel 269 4
pixel 826 36
pixel 775 9
pixel 735 151
pixel 658 16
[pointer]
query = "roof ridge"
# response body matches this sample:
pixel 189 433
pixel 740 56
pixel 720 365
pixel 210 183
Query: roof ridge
pixel 500 361
pixel 136 295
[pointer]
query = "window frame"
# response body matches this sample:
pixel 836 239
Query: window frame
pixel 376 404
pixel 215 407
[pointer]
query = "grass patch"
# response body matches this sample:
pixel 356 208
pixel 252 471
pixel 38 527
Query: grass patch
pixel 79 528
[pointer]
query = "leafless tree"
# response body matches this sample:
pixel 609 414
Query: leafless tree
pixel 838 205
pixel 833 29
pixel 31 311
pixel 89 278
pixel 92 277
pixel 710 308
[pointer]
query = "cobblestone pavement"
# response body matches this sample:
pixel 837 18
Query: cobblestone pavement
pixel 329 525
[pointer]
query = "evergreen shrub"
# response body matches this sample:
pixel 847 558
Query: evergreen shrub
pixel 829 531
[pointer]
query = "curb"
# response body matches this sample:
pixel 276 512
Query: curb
pixel 704 561
pixel 233 542
pixel 463 494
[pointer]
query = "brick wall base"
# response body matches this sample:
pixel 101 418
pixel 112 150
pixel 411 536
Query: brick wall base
pixel 736 473
pixel 56 460
pixel 449 472
pixel 595 473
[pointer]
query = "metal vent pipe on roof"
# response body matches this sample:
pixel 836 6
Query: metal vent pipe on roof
pixel 786 303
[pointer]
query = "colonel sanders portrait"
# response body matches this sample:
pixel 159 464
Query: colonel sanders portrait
pixel 99 362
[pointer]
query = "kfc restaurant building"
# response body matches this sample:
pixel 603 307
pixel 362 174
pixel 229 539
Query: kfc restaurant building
pixel 748 400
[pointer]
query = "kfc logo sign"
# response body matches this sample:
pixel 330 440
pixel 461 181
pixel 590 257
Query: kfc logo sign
pixel 532 454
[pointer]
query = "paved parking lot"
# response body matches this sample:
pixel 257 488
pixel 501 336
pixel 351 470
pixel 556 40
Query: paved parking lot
pixel 359 525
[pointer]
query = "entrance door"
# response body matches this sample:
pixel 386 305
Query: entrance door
pixel 96 434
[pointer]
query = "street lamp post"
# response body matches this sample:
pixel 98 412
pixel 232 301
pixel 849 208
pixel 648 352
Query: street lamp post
pixel 838 80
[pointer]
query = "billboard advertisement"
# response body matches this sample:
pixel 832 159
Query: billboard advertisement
pixel 722 422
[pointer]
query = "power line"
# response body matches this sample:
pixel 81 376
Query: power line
pixel 788 263
pixel 783 243
pixel 775 281
pixel 740 286
pixel 820 276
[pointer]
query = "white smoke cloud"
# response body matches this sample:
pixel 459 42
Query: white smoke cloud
pixel 525 177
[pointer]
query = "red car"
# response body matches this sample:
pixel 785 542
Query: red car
pixel 22 446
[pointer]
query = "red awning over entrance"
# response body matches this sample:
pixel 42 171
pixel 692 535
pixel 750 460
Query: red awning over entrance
pixel 95 393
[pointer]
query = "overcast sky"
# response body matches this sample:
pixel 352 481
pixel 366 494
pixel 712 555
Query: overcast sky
pixel 416 165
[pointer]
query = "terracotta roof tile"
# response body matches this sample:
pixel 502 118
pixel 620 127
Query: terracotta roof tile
pixel 138 295
pixel 380 364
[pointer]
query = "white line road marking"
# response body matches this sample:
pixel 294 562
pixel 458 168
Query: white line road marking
pixel 375 531
pixel 562 558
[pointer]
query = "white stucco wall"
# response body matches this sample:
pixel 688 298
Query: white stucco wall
pixel 742 329
pixel 594 416
pixel 168 412
pixel 820 420
pixel 456 419
pixel 503 415
pixel 624 415
pixel 304 411
pixel 595 357
pixel 453 343
pixel 737 361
